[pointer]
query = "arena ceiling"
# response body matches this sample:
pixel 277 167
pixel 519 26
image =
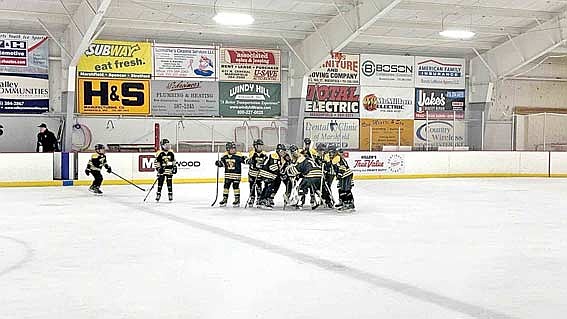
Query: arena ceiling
pixel 411 27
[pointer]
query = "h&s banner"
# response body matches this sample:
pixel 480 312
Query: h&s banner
pixel 113 96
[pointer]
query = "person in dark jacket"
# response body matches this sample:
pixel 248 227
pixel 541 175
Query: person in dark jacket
pixel 46 140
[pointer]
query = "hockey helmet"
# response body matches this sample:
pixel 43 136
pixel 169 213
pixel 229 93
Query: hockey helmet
pixel 230 145
pixel 165 144
pixel 99 148
pixel 307 141
pixel 321 147
pixel 293 148
pixel 258 142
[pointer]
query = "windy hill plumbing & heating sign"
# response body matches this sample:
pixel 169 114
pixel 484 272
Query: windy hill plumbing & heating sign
pixel 250 99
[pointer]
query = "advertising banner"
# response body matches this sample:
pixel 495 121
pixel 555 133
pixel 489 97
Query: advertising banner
pixel 116 59
pixel 24 93
pixel 332 101
pixel 113 96
pixel 385 132
pixel 22 53
pixel 387 70
pixel 185 98
pixel 387 103
pixel 339 69
pixel 441 104
pixel 250 65
pixel 343 133
pixel 185 62
pixel 439 133
pixel 250 99
pixel 374 163
pixel 439 73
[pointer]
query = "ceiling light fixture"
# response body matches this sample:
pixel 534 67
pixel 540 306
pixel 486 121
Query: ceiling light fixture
pixel 233 18
pixel 457 34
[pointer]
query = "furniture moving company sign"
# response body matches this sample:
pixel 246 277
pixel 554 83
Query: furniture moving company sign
pixel 387 103
pixel 250 65
pixel 250 99
pixel 339 69
pixel 439 104
pixel 439 73
pixel 24 66
pixel 185 98
pixel 387 70
pixel 332 101
pixel 186 62
pixel 343 133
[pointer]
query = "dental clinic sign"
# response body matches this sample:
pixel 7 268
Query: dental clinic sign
pixel 439 133
pixel 439 73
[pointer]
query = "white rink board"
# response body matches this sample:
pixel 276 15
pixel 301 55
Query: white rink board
pixel 558 164
pixel 23 167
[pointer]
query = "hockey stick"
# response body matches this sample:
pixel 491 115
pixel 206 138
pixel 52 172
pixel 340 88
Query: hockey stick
pixel 217 193
pixel 129 182
pixel 150 191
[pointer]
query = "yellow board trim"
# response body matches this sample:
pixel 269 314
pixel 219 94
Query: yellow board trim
pixel 31 184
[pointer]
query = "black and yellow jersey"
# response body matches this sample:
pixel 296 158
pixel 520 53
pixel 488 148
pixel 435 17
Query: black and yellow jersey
pixel 341 167
pixel 306 167
pixel 232 164
pixel 256 160
pixel 272 166
pixel 309 153
pixel 97 162
pixel 166 161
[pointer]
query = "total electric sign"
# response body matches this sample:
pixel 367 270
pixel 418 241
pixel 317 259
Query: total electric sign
pixel 387 70
pixel 332 101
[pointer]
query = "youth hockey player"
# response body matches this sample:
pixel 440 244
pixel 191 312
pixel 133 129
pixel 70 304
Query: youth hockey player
pixel 345 181
pixel 232 162
pixel 256 159
pixel 270 175
pixel 307 150
pixel 323 159
pixel 311 179
pixel 166 167
pixel 95 165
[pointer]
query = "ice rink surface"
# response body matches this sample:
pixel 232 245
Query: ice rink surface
pixel 439 249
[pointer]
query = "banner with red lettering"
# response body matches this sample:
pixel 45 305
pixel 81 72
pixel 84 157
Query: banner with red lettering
pixel 332 101
pixel 250 65
pixel 341 68
pixel 375 163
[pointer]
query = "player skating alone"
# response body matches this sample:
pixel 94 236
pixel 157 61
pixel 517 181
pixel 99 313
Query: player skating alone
pixel 256 159
pixel 166 167
pixel 94 167
pixel 345 180
pixel 232 162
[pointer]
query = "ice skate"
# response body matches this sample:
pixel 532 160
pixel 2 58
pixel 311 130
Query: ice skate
pixel 236 202
pixel 251 202
pixel 223 201
pixel 170 196
pixel 97 191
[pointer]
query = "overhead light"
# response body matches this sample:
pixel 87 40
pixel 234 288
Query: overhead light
pixel 457 34
pixel 233 18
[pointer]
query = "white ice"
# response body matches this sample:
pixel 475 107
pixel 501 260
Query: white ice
pixel 439 249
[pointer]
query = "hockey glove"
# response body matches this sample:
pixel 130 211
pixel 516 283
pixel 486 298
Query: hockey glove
pixel 174 170
pixel 88 172
pixel 161 170
pixel 218 163
pixel 109 169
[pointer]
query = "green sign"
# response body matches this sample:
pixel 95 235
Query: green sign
pixel 250 99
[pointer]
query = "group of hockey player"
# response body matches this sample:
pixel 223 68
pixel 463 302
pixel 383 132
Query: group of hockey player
pixel 303 172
